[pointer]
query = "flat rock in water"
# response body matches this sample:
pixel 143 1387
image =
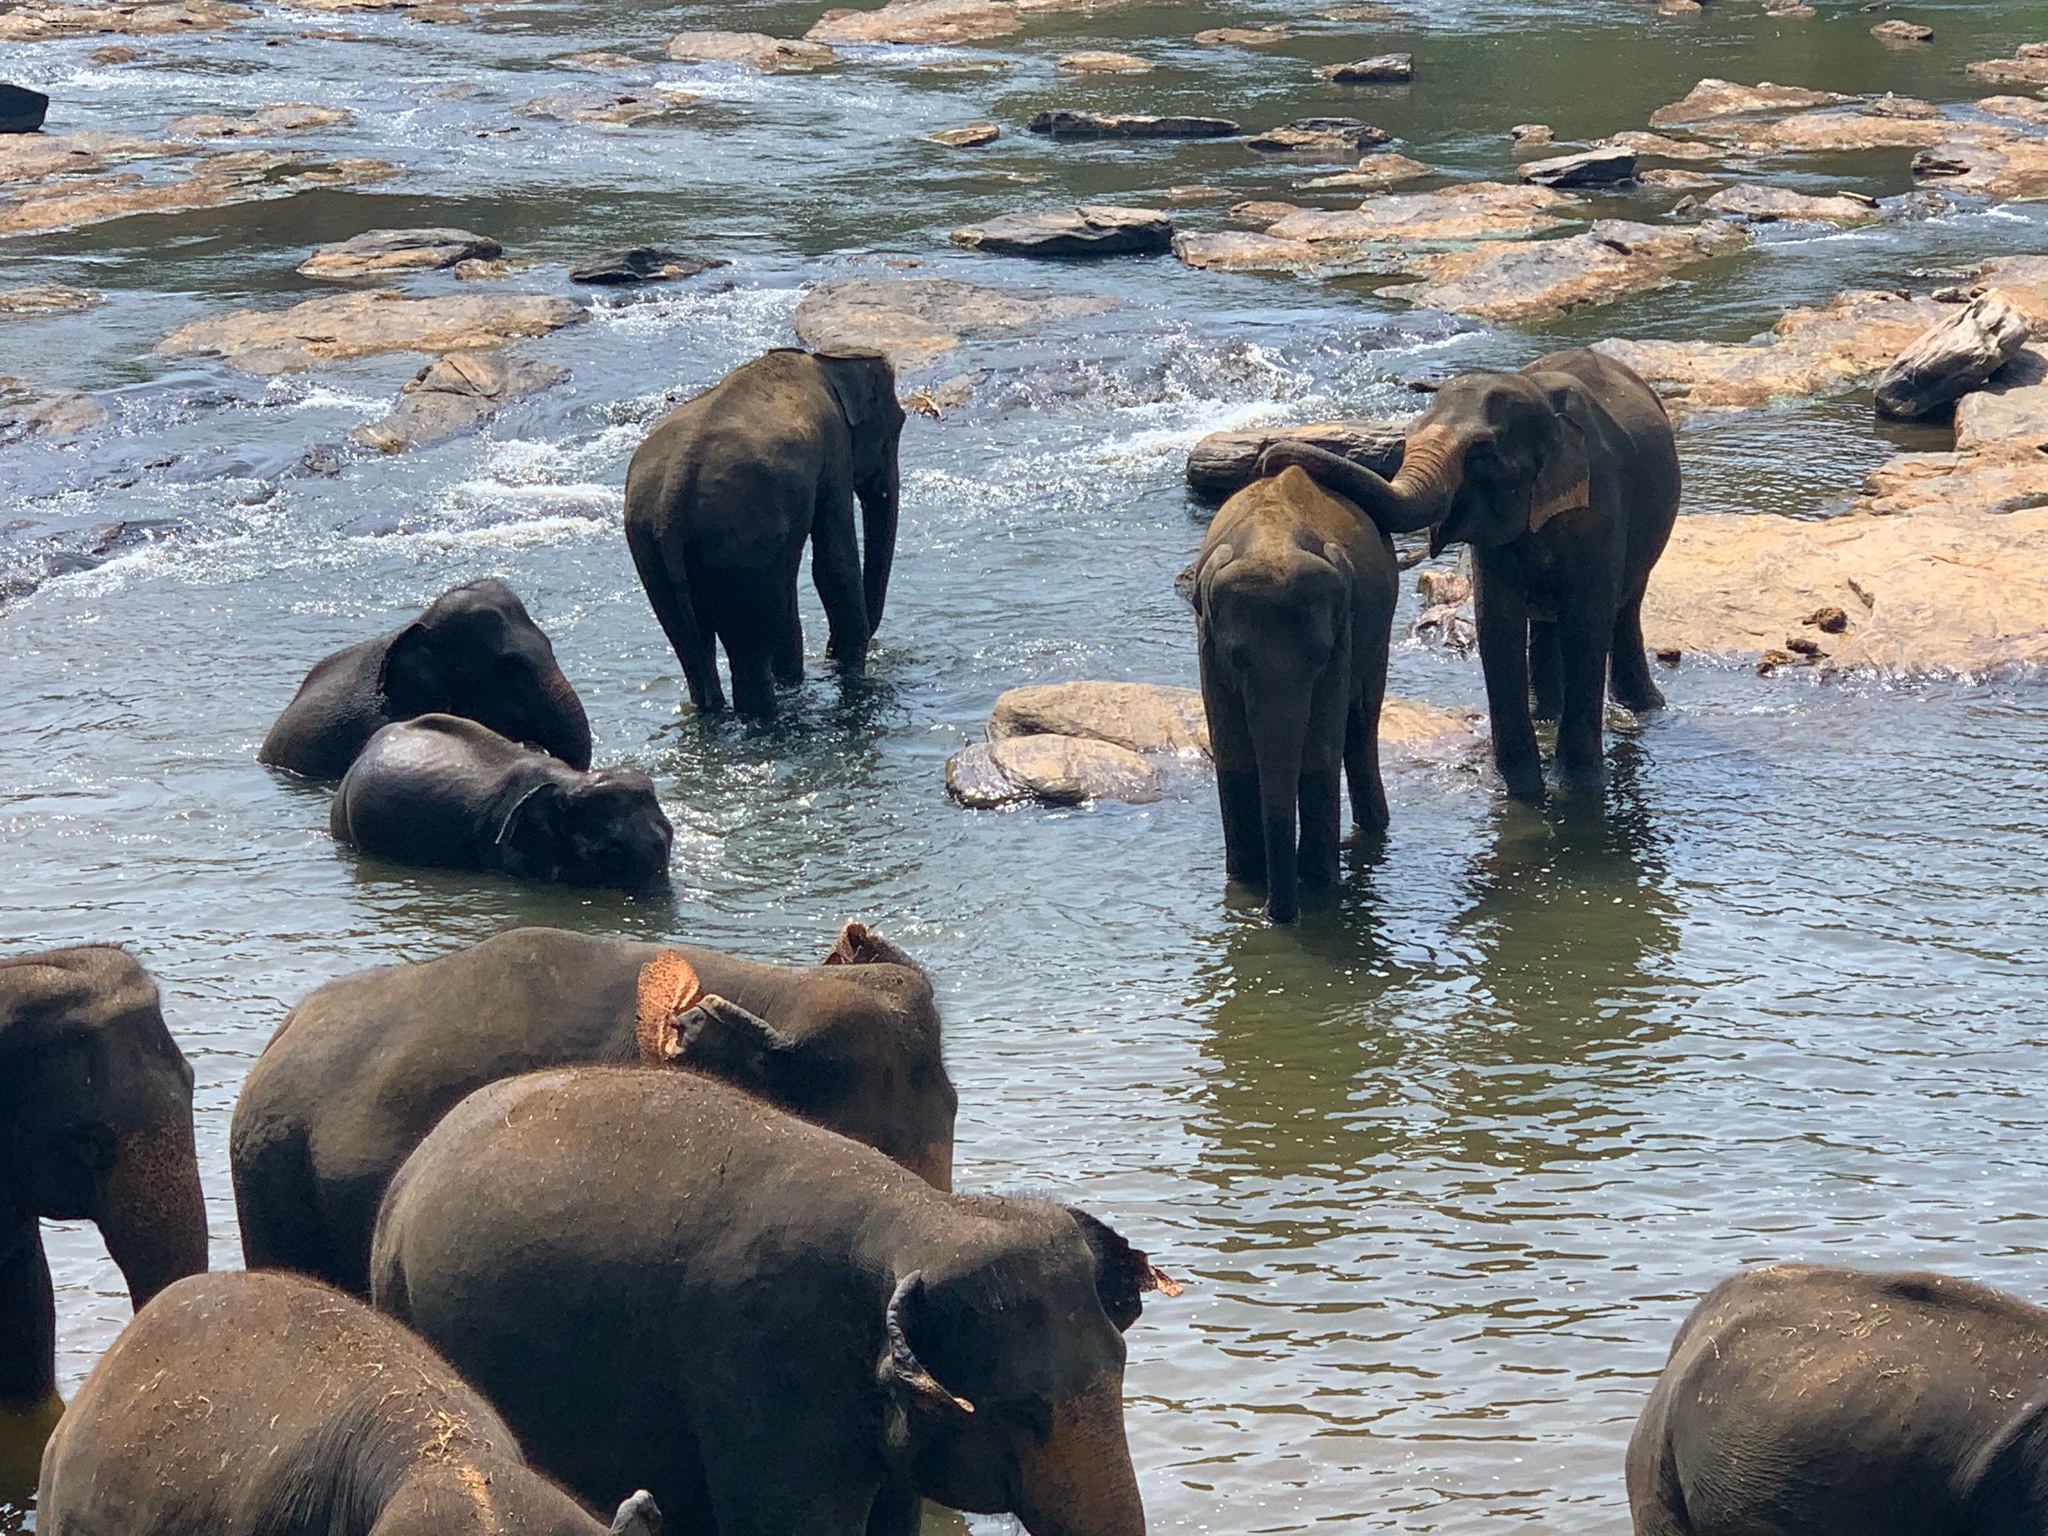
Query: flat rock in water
pixel 1590 168
pixel 1473 210
pixel 1952 358
pixel 1713 98
pixel 21 109
pixel 1092 230
pixel 47 299
pixel 1659 146
pixel 41 20
pixel 1052 770
pixel 1374 173
pixel 1224 463
pixel 217 181
pixel 453 394
pixel 920 21
pixel 1530 135
pixel 620 109
pixel 1381 69
pixel 1536 280
pixel 349 325
pixel 1981 158
pixel 378 252
pixel 917 319
pixel 1839 346
pixel 968 136
pixel 26 411
pixel 1139 717
pixel 279 117
pixel 2022 69
pixel 1429 735
pixel 1087 63
pixel 1235 251
pixel 1902 32
pixel 1130 125
pixel 32 156
pixel 1336 138
pixel 1764 204
pixel 2023 280
pixel 642 264
pixel 776 55
pixel 1241 37
pixel 1678 181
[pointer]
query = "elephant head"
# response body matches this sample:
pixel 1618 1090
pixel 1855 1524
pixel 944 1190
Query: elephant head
pixel 476 652
pixel 1006 1368
pixel 863 384
pixel 1496 455
pixel 604 828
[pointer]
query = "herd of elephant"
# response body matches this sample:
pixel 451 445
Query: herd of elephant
pixel 560 1223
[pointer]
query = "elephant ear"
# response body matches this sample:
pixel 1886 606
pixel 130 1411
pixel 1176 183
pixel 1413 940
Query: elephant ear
pixel 637 1516
pixel 858 944
pixel 410 675
pixel 667 988
pixel 1564 474
pixel 723 1040
pixel 852 375
pixel 1206 565
pixel 1122 1273
pixel 532 829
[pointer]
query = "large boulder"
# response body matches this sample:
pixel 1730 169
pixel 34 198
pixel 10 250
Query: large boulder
pixel 757 50
pixel 1505 281
pixel 1130 125
pixel 1335 138
pixel 1762 204
pixel 1588 168
pixel 1051 770
pixel 351 325
pixel 2024 68
pixel 1223 463
pixel 917 319
pixel 453 394
pixel 968 135
pixel 21 109
pixel 1092 230
pixel 1950 359
pixel 379 252
pixel 1139 717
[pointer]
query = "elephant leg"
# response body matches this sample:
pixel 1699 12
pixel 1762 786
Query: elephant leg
pixel 1582 645
pixel 1503 622
pixel 1629 662
pixel 898 1509
pixel 1546 670
pixel 1362 768
pixel 751 659
pixel 1237 774
pixel 836 572
pixel 668 593
pixel 1321 826
pixel 789 641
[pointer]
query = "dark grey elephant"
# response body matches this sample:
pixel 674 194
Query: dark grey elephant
pixel 778 1331
pixel 475 652
pixel 361 1069
pixel 1809 1400
pixel 95 1125
pixel 1564 480
pixel 261 1405
pixel 441 790
pixel 727 489
pixel 1294 596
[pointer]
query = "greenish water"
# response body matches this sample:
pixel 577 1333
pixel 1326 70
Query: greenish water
pixel 1444 1165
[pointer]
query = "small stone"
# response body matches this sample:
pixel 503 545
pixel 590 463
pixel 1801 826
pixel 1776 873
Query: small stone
pixel 642 264
pixel 967 137
pixel 1381 69
pixel 1090 63
pixel 116 53
pixel 1534 135
pixel 1829 621
pixel 1952 358
pixel 1592 168
pixel 773 55
pixel 1130 125
pixel 21 109
pixel 1340 137
pixel 1770 661
pixel 1896 32
pixel 1093 230
pixel 1195 193
pixel 601 61
pixel 1240 37
pixel 477 269
pixel 1670 655
pixel 1803 645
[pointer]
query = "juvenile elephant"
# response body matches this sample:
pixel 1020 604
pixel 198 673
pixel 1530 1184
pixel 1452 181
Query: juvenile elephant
pixel 725 491
pixel 362 1069
pixel 262 1405
pixel 1807 1400
pixel 1564 480
pixel 95 1125
pixel 779 1331
pixel 1294 598
pixel 441 790
pixel 474 652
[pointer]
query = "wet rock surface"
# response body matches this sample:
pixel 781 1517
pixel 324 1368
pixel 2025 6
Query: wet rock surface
pixel 917 319
pixel 1521 281
pixel 1064 124
pixel 757 50
pixel 1765 204
pixel 1589 168
pixel 47 299
pixel 1225 462
pixel 967 136
pixel 940 21
pixel 334 329
pixel 379 252
pixel 1139 717
pixel 1064 234
pixel 641 264
pixel 33 22
pixel 1241 37
pixel 216 181
pixel 1380 69
pixel 32 156
pixel 1051 770
pixel 1952 358
pixel 1897 31
pixel 1373 173
pixel 1337 138
pixel 454 394
pixel 21 109
pixel 279 117
pixel 28 411
pixel 1103 63
pixel 1712 99
pixel 620 109
pixel 1468 211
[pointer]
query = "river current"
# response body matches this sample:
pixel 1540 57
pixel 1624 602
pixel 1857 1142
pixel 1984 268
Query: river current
pixel 1443 1166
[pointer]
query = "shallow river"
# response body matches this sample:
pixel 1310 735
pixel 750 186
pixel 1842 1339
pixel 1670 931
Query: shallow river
pixel 1444 1165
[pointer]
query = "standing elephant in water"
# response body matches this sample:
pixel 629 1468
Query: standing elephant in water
pixel 1564 480
pixel 475 652
pixel 727 489
pixel 95 1125
pixel 1294 597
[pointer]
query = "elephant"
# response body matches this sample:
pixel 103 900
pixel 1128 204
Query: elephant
pixel 442 790
pixel 1813 1400
pixel 1564 480
pixel 725 491
pixel 780 1332
pixel 362 1068
pixel 95 1125
pixel 318 1415
pixel 474 652
pixel 1294 595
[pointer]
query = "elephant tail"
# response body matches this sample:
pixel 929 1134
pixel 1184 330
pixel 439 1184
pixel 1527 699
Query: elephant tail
pixel 668 592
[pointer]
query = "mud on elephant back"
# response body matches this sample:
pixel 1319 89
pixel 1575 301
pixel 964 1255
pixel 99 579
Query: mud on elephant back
pixel 1564 479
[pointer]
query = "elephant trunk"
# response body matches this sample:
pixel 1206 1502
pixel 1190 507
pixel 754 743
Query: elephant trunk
pixel 1418 496
pixel 152 1214
pixel 1078 1480
pixel 566 733
pixel 878 539
pixel 1280 739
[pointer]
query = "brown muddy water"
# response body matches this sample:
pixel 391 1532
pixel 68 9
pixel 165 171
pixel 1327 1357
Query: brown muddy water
pixel 1444 1165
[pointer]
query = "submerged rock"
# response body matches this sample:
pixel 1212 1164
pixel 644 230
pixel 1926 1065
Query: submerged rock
pixel 215 182
pixel 1763 204
pixel 1589 168
pixel 1097 63
pixel 1381 69
pixel 622 109
pixel 1374 172
pixel 1223 463
pixel 1520 281
pixel 642 264
pixel 1334 137
pixel 916 319
pixel 47 299
pixel 1139 717
pixel 378 252
pixel 279 117
pixel 453 394
pixel 32 156
pixel 1130 125
pixel 1951 359
pixel 350 325
pixel 970 136
pixel 26 411
pixel 776 55
pixel 1093 230
pixel 1052 770
pixel 21 109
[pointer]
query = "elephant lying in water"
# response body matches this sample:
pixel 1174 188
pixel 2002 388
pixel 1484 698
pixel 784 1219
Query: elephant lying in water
pixel 319 1415
pixel 779 1331
pixel 474 652
pixel 1564 480
pixel 1807 1400
pixel 728 488
pixel 361 1069
pixel 1294 596
pixel 441 790
pixel 95 1125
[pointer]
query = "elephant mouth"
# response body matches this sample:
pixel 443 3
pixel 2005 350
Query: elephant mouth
pixel 668 986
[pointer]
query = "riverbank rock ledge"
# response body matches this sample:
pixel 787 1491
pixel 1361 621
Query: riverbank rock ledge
pixel 453 394
pixel 1094 230
pixel 329 330
pixel 379 252
pixel 915 320
pixel 1951 359
pixel 1223 463
pixel 1130 125
pixel 757 50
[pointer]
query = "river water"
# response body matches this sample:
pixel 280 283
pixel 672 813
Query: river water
pixel 1444 1165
